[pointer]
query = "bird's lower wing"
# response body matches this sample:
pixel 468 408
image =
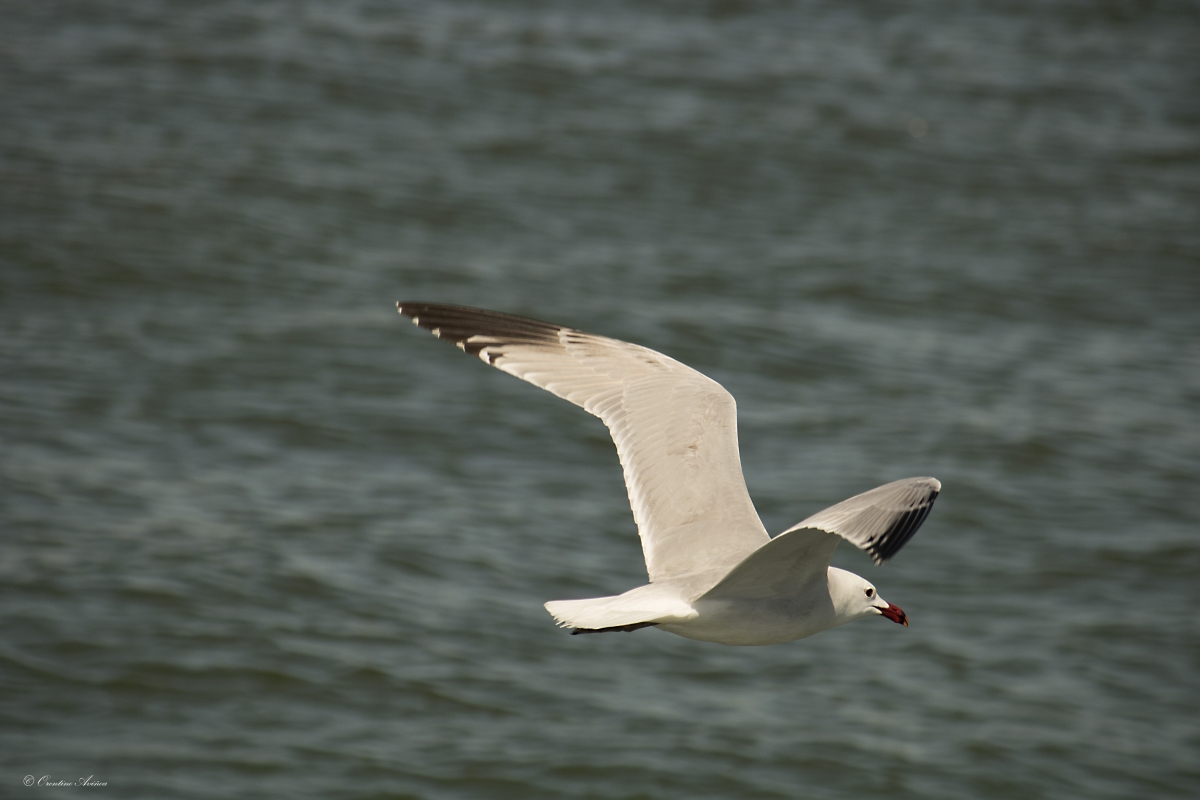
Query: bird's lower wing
pixel 879 521
pixel 675 429
pixel 783 566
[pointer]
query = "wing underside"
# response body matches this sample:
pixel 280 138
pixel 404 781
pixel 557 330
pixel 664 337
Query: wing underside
pixel 879 521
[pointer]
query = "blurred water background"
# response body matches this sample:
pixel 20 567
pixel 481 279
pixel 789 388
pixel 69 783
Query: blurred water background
pixel 259 537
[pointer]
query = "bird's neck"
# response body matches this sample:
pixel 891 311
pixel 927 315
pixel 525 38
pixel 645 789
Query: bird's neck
pixel 844 590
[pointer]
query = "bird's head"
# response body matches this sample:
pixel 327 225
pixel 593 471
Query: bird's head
pixel 856 597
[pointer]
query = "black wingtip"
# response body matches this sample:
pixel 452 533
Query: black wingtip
pixel 459 324
pixel 900 531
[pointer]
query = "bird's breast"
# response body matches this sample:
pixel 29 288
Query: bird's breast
pixel 753 622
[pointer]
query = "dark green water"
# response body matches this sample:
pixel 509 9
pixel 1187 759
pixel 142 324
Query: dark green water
pixel 259 537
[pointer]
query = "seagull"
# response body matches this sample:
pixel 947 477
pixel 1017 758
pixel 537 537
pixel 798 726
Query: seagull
pixel 715 573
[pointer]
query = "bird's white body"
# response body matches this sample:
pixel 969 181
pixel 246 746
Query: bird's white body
pixel 771 620
pixel 715 573
pixel 682 607
pixel 757 622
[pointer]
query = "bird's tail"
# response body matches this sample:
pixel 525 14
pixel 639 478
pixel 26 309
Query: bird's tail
pixel 645 605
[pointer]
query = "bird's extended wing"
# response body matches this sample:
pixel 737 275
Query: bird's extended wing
pixel 675 429
pixel 879 521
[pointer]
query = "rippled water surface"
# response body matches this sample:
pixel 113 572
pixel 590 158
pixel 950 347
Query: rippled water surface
pixel 259 537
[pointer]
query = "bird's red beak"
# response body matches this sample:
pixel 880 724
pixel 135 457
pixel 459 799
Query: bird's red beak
pixel 895 614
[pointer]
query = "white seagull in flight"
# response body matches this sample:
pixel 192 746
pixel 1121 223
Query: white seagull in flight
pixel 715 573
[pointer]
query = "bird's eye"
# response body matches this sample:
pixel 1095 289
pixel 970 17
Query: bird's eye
pixel 871 592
